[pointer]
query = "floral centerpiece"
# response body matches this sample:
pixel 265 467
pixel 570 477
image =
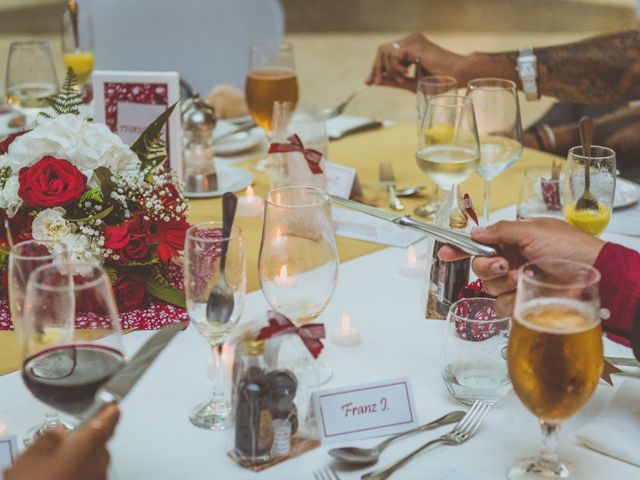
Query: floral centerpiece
pixel 73 181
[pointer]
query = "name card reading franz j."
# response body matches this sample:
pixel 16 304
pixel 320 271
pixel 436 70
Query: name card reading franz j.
pixel 365 411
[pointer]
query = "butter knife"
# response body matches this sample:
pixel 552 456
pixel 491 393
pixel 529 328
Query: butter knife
pixel 445 235
pixel 365 127
pixel 623 361
pixel 121 383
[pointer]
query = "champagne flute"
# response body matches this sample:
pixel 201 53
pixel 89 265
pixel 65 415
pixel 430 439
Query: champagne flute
pixel 448 151
pixel 499 126
pixel 429 87
pixel 24 258
pixel 271 77
pixel 78 44
pixel 202 256
pixel 62 366
pixel 298 261
pixel 30 79
pixel 602 173
pixel 555 352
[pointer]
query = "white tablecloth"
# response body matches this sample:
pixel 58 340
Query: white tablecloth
pixel 155 440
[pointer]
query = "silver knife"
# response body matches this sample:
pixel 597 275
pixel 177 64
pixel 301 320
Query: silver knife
pixel 119 385
pixel 445 235
pixel 365 127
pixel 623 362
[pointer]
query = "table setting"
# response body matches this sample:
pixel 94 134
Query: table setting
pixel 271 302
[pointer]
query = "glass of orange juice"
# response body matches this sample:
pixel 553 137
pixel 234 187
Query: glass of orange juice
pixel 77 44
pixel 602 187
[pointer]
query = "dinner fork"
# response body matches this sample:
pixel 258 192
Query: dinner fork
pixel 387 178
pixel 326 473
pixel 339 109
pixel 460 433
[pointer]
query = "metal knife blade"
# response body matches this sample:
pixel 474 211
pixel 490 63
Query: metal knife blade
pixel 623 362
pixel 121 383
pixel 461 240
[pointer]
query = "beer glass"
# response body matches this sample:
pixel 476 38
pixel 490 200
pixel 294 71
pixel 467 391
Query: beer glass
pixel 555 352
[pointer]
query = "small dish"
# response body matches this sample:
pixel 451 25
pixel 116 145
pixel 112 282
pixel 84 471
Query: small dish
pixel 230 179
pixel 627 193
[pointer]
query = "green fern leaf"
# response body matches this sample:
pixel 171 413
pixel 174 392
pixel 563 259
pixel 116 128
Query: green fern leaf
pixel 149 146
pixel 159 287
pixel 93 195
pixel 68 99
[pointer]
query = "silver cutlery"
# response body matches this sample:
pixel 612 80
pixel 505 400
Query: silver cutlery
pixel 368 456
pixel 410 191
pixel 462 432
pixel 446 235
pixel 326 473
pixel 365 127
pixel 387 178
pixel 341 107
pixel 623 362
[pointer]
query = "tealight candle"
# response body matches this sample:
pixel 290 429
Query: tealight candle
pixel 4 430
pixel 250 204
pixel 283 279
pixel 346 335
pixel 412 267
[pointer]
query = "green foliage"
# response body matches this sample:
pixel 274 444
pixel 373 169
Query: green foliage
pixel 159 287
pixel 103 174
pixel 93 195
pixel 4 257
pixel 68 99
pixel 97 216
pixel 150 147
pixel 112 273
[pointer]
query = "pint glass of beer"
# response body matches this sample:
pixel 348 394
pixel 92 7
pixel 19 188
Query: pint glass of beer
pixel 555 351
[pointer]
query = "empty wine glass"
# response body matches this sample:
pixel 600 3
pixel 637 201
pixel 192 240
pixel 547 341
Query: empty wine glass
pixel 63 366
pixel 202 271
pixel 498 118
pixel 298 262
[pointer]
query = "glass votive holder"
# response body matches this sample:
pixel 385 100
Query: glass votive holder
pixel 473 357
pixel 540 195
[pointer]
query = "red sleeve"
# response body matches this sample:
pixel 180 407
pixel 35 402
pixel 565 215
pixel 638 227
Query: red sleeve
pixel 619 289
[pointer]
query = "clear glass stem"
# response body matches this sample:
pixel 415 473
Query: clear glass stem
pixel 442 217
pixel 548 455
pixel 485 204
pixel 51 419
pixel 218 398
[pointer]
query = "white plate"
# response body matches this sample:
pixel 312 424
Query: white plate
pixel 230 179
pixel 627 193
pixel 236 143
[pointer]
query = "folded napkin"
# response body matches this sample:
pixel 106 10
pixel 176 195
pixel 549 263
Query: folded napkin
pixel 616 430
pixel 342 125
pixel 351 224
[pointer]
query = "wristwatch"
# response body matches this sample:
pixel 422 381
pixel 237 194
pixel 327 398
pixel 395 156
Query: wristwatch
pixel 527 71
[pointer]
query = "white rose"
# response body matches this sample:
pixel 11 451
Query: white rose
pixel 97 142
pixel 4 160
pixel 50 225
pixel 9 199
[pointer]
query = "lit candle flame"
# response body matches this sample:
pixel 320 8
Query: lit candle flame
pixel 283 277
pixel 411 255
pixel 249 192
pixel 345 322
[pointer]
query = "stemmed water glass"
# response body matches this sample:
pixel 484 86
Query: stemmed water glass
pixel 78 44
pixel 448 151
pixel 298 262
pixel 602 180
pixel 555 352
pixel 271 77
pixel 425 88
pixel 498 118
pixel 24 258
pixel 63 366
pixel 202 262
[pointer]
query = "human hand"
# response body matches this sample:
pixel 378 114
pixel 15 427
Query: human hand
pixel 520 242
pixel 393 60
pixel 79 455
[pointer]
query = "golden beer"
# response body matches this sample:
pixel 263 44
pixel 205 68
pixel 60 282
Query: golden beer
pixel 265 86
pixel 555 357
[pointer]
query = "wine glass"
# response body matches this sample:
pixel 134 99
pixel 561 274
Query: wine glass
pixel 271 77
pixel 555 351
pixel 202 265
pixel 78 44
pixel 540 195
pixel 429 87
pixel 63 366
pixel 448 151
pixel 24 258
pixel 602 179
pixel 298 261
pixel 499 126
pixel 31 78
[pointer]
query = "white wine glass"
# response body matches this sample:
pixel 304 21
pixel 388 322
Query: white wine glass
pixel 202 269
pixel 298 262
pixel 498 118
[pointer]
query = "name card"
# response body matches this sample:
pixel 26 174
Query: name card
pixel 365 411
pixel 127 102
pixel 340 179
pixel 8 452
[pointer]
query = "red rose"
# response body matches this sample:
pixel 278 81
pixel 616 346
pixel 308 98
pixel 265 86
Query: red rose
pixel 51 182
pixel 136 249
pixel 4 144
pixel 129 291
pixel 116 236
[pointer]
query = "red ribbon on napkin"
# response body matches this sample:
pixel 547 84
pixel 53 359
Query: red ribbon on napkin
pixel 310 334
pixel 312 156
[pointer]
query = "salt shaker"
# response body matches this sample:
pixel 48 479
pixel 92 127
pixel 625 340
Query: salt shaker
pixel 198 123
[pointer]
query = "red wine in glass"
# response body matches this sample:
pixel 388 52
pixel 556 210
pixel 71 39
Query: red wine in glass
pixel 67 377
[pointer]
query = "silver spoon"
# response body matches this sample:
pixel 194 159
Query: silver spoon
pixel 369 456
pixel 408 192
pixel 220 302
